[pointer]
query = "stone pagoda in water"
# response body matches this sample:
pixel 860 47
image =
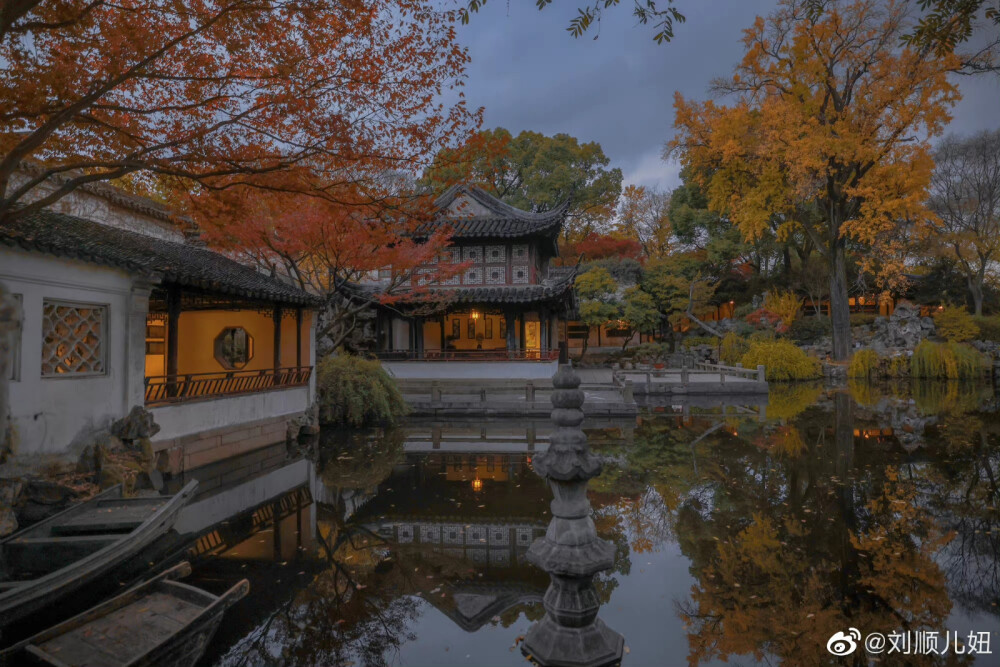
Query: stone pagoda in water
pixel 570 634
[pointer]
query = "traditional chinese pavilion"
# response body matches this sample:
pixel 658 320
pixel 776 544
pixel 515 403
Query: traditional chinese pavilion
pixel 506 304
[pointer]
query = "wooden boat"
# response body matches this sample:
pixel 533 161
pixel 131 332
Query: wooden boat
pixel 46 561
pixel 161 622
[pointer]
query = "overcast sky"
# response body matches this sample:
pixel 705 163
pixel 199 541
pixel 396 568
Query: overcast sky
pixel 530 74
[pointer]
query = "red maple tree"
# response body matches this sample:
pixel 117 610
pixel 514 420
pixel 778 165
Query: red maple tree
pixel 294 96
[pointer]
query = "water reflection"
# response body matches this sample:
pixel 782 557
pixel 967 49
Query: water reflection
pixel 737 536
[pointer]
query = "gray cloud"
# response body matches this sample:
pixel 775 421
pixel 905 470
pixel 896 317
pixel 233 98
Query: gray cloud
pixel 618 89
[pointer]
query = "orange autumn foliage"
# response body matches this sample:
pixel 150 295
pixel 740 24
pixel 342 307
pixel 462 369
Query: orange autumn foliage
pixel 828 133
pixel 215 94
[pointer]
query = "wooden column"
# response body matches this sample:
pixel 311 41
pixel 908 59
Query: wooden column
pixel 521 333
pixel 173 333
pixel 508 317
pixel 298 337
pixel 277 340
pixel 543 333
pixel 419 334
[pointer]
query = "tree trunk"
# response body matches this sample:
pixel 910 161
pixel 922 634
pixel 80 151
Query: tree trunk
pixel 976 288
pixel 840 310
pixel 629 340
pixel 586 342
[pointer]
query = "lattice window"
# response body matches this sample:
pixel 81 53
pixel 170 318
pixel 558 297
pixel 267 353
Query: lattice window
pixel 473 253
pixel 73 336
pixel 519 252
pixel 499 536
pixel 425 276
pixel 452 534
pixel 519 275
pixel 451 256
pixel 496 275
pixel 473 276
pixel 496 253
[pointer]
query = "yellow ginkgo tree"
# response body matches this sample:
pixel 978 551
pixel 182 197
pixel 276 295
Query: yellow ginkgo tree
pixel 825 129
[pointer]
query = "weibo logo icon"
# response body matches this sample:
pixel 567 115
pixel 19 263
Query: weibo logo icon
pixel 844 643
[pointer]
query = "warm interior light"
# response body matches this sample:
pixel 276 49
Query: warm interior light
pixel 474 314
pixel 861 300
pixel 477 485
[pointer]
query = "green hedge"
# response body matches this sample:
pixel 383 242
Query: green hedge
pixel 952 361
pixel 989 327
pixel 357 392
pixel 808 329
pixel 782 360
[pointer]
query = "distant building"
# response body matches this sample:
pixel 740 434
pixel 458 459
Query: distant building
pixel 123 306
pixel 507 305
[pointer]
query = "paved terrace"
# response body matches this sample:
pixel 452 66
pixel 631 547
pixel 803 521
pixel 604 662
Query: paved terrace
pixel 607 392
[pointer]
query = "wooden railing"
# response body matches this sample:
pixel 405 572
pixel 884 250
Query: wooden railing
pixel 692 377
pixel 735 371
pixel 166 389
pixel 468 355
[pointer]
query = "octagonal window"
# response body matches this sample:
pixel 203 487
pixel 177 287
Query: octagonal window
pixel 234 348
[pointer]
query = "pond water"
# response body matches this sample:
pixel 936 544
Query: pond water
pixel 741 535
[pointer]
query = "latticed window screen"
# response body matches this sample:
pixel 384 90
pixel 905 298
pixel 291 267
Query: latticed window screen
pixel 72 339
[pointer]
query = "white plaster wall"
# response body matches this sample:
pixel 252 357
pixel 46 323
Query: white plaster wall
pixel 98 209
pixel 471 370
pixel 200 515
pixel 48 413
pixel 186 418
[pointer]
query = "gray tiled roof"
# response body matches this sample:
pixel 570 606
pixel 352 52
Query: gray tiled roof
pixel 176 263
pixel 502 221
pixel 510 293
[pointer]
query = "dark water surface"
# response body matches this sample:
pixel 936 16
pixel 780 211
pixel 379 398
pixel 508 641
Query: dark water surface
pixel 740 537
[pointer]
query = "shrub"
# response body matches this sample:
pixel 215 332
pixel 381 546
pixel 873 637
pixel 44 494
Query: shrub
pixel 953 361
pixel 650 352
pixel 899 366
pixel 357 392
pixel 810 328
pixel 989 327
pixel 954 324
pixel 783 360
pixel 732 349
pixel 742 310
pixel 694 341
pixel 864 364
pixel 859 319
pixel 784 304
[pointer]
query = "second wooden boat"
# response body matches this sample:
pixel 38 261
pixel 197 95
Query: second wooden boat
pixel 45 562
pixel 161 623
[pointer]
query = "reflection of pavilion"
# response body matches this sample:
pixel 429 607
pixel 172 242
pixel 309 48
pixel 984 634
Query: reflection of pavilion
pixel 475 604
pixel 480 508
pixel 496 536
pixel 494 544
